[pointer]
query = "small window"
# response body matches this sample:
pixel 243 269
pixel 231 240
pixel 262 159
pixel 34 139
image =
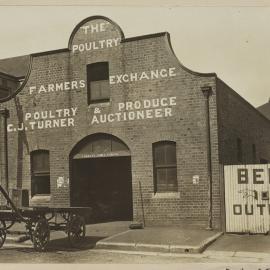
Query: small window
pixel 98 88
pixel 40 172
pixel 254 156
pixel 165 169
pixel 239 151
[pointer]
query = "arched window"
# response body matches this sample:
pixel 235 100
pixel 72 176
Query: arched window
pixel 98 88
pixel 40 172
pixel 165 168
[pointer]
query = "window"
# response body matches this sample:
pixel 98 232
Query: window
pixel 254 153
pixel 239 150
pixel 164 157
pixel 40 172
pixel 98 88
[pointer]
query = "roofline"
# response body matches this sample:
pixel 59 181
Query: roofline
pixel 244 100
pixel 9 75
pixel 167 34
pixel 160 34
pixel 50 52
pixel 196 73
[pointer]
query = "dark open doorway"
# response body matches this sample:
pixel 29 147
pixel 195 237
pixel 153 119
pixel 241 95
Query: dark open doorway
pixel 105 185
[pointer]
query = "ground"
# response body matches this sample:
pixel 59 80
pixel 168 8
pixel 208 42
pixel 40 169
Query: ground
pixel 92 256
pixel 226 249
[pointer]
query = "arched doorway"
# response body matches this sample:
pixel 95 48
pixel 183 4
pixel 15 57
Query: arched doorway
pixel 101 177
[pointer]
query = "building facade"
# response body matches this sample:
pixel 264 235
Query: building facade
pixel 119 124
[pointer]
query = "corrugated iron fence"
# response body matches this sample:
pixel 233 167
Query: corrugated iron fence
pixel 247 198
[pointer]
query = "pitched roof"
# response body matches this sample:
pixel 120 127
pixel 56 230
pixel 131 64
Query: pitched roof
pixel 15 66
pixel 265 109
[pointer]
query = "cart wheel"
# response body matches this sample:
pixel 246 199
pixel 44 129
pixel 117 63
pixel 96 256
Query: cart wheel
pixel 3 232
pixel 41 234
pixel 76 231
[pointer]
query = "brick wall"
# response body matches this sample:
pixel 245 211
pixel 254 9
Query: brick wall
pixel 186 126
pixel 238 119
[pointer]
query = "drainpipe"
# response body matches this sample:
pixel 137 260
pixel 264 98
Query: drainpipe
pixel 5 114
pixel 207 91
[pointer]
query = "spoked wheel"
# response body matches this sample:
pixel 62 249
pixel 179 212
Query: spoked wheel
pixel 76 231
pixel 3 232
pixel 30 227
pixel 41 234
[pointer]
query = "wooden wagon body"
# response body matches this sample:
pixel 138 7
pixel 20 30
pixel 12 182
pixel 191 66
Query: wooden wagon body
pixel 39 221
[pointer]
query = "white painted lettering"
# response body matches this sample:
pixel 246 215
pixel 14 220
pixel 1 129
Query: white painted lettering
pixel 9 128
pixel 172 72
pixel 75 48
pixel 42 89
pixel 94 120
pixel 27 116
pixel 158 113
pixel 163 73
pixel 59 86
pixel 32 89
pixel 85 28
pixel 144 76
pixel 63 122
pixel 112 79
pixel 172 101
pixel 50 87
pixel 82 83
pixel 133 77
pixel 168 112
pixel 125 78
pixel 121 106
pixel 110 117
pixel 74 110
pixel 163 102
pixel 149 113
pixel 70 122
pixel 109 43
pixel 74 85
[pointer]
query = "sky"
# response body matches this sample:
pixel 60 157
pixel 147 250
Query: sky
pixel 233 42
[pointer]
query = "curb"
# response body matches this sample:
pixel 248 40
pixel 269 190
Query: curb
pixel 104 244
pixel 237 254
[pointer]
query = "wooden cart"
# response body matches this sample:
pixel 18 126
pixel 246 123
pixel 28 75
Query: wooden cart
pixel 39 221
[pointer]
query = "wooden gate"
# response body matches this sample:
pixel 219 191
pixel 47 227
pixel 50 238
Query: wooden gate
pixel 247 198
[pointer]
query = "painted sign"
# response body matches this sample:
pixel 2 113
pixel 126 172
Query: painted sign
pixel 144 75
pixel 62 182
pixel 56 87
pixel 247 200
pixel 96 45
pixel 58 118
pixel 113 79
pixel 94 30
pixel 136 110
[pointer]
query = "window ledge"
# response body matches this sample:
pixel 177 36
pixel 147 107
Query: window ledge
pixel 99 104
pixel 165 195
pixel 40 198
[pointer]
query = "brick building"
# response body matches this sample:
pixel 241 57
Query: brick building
pixel 121 125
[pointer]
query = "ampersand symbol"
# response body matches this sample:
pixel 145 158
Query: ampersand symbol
pixel 97 110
